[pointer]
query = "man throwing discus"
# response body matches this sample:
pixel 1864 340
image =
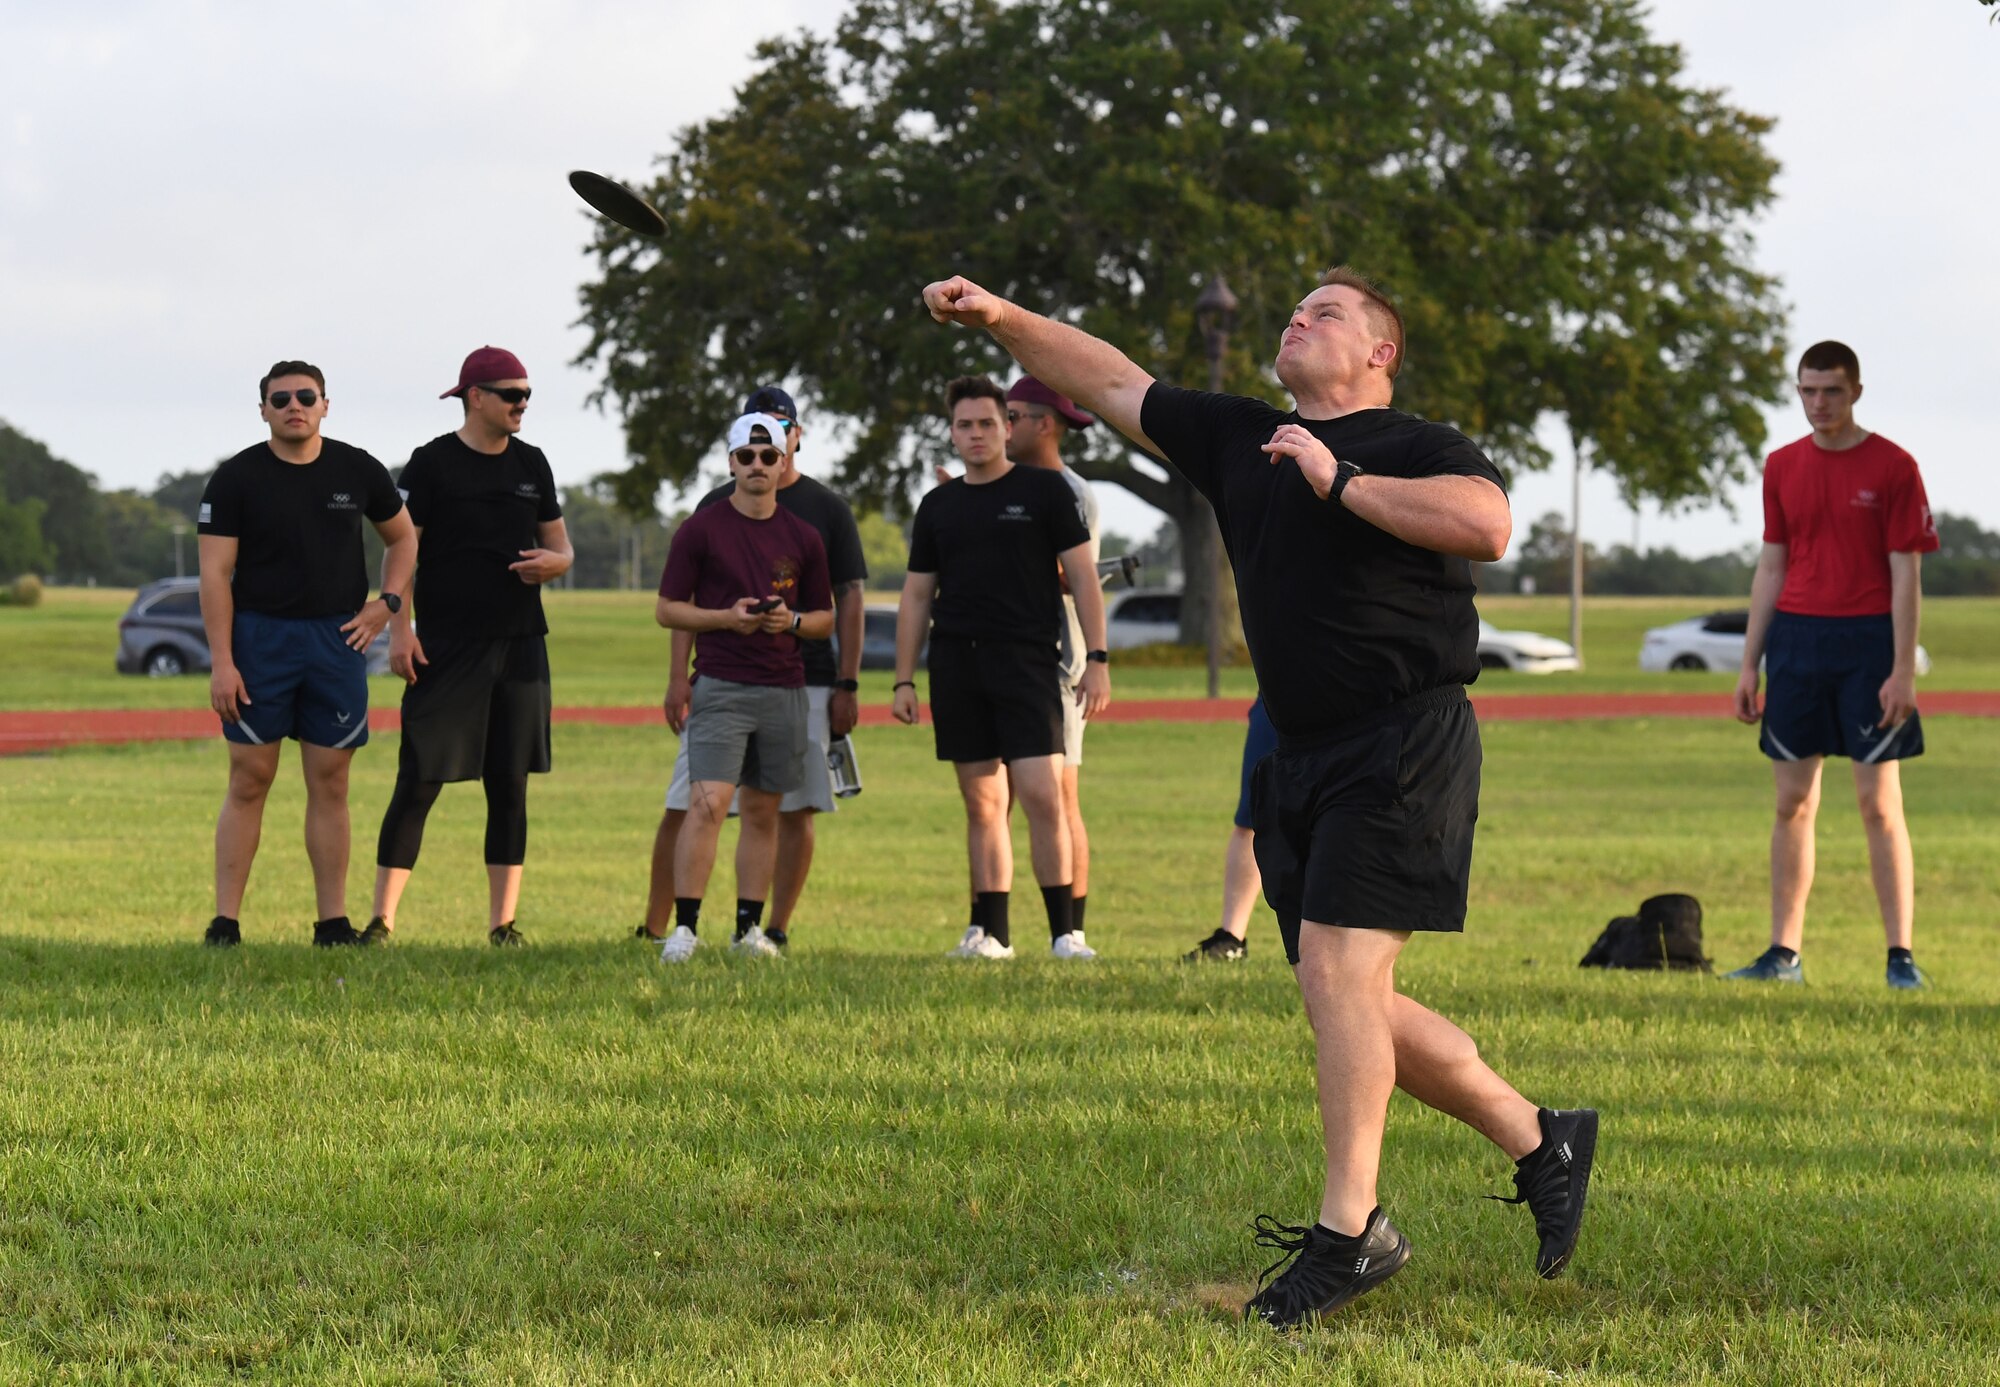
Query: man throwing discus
pixel 1349 526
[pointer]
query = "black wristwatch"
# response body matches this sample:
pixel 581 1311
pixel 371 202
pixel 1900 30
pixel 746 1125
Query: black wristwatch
pixel 1098 657
pixel 1343 473
pixel 393 602
pixel 847 685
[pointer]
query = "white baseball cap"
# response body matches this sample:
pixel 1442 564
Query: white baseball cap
pixel 773 427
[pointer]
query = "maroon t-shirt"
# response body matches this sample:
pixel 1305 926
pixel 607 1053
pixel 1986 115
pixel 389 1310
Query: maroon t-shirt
pixel 720 556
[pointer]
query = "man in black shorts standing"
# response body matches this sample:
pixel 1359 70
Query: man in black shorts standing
pixel 476 705
pixel 832 682
pixel 985 554
pixel 284 599
pixel 1349 526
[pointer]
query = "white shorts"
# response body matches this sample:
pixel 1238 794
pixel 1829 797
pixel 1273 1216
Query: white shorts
pixel 817 791
pixel 1072 726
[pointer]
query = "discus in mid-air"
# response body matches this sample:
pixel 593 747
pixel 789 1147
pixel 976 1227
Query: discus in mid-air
pixel 618 202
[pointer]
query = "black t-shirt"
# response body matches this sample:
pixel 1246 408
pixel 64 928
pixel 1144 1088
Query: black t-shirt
pixel 1341 618
pixel 478 511
pixel 993 548
pixel 820 508
pixel 297 527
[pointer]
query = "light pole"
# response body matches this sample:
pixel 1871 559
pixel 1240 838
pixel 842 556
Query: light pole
pixel 1215 313
pixel 180 528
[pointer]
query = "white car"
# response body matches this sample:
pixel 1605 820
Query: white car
pixel 1712 642
pixel 1525 652
pixel 1141 616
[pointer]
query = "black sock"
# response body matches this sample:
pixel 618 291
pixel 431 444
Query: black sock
pixel 1076 913
pixel 749 915
pixel 224 920
pixel 989 912
pixel 1901 956
pixel 1346 1243
pixel 1059 903
pixel 687 913
pixel 973 917
pixel 1791 955
pixel 334 920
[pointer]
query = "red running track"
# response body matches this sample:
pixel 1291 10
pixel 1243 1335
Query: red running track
pixel 44 731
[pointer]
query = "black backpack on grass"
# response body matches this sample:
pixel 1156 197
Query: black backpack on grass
pixel 1666 933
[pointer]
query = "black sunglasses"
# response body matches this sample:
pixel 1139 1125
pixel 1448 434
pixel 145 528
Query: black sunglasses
pixel 512 394
pixel 768 457
pixel 307 398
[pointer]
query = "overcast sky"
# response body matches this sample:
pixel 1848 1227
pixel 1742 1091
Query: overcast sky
pixel 189 191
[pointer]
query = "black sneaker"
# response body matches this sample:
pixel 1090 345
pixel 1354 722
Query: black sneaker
pixel 777 936
pixel 646 934
pixel 1322 1278
pixel 331 934
pixel 506 936
pixel 222 933
pixel 1220 947
pixel 1551 1181
pixel 378 932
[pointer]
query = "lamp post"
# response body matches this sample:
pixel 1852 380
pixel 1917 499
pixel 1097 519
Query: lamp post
pixel 180 528
pixel 1215 313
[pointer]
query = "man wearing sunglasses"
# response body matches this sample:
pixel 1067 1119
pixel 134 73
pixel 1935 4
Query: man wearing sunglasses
pixel 832 679
pixel 284 599
pixel 749 580
pixel 476 695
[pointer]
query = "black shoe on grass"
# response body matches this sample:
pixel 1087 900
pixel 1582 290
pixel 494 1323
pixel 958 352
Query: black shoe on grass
pixel 1325 1272
pixel 222 933
pixel 332 934
pixel 506 936
pixel 377 933
pixel 646 934
pixel 777 936
pixel 1552 1179
pixel 1220 947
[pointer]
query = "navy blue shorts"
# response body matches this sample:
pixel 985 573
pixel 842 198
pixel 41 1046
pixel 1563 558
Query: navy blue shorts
pixel 1258 742
pixel 303 679
pixel 1823 690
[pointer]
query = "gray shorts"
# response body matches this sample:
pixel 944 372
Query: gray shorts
pixel 746 734
pixel 814 792
pixel 1072 724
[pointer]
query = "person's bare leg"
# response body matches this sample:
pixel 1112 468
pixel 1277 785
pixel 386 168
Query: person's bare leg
pixel 660 884
pixel 1348 980
pixel 1241 881
pixel 327 831
pixel 240 825
pixel 1079 836
pixel 694 850
pixel 1880 789
pixel 503 893
pixel 1438 1065
pixel 756 843
pixel 989 848
pixel 1037 782
pixel 389 884
pixel 1792 848
pixel 796 841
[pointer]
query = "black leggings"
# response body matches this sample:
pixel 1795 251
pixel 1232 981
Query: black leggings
pixel 410 804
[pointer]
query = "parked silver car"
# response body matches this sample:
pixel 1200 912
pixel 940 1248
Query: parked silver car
pixel 1525 652
pixel 1712 642
pixel 161 634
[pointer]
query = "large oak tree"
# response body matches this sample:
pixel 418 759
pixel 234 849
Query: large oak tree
pixel 1561 215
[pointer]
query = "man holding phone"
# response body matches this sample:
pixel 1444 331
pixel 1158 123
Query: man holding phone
pixel 749 580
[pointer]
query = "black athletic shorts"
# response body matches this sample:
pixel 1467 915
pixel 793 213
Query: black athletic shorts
pixel 995 699
pixel 479 708
pixel 1370 827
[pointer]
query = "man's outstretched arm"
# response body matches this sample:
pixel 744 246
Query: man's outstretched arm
pixel 1068 360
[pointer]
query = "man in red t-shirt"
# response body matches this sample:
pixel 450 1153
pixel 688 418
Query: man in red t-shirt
pixel 750 580
pixel 1833 617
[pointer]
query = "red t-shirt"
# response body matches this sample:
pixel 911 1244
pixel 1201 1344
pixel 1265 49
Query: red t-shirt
pixel 1840 516
pixel 719 556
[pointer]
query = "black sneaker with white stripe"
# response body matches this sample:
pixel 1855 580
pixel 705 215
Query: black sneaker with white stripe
pixel 1326 1270
pixel 1219 947
pixel 1552 1180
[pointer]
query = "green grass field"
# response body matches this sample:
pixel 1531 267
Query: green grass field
pixel 605 650
pixel 448 1164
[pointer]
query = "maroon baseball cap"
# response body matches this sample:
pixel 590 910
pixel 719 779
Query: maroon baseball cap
pixel 1029 391
pixel 485 365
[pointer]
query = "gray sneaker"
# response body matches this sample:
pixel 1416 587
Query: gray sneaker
pixel 1769 967
pixel 1904 973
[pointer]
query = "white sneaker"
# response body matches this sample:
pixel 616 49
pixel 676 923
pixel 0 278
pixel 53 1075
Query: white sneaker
pixel 753 943
pixel 977 943
pixel 1071 945
pixel 680 945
